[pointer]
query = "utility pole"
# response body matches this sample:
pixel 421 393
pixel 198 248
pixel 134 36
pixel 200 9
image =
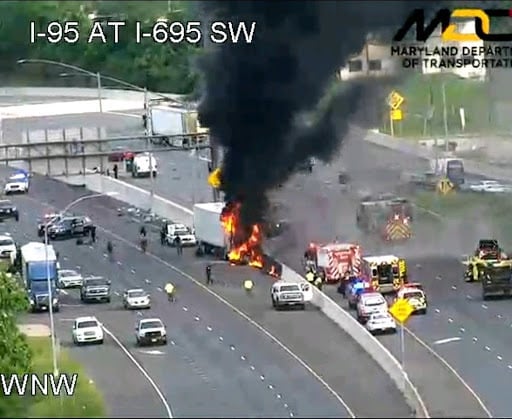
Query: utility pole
pixel 148 130
pixel 445 116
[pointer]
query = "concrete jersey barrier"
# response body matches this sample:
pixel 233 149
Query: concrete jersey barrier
pixel 141 198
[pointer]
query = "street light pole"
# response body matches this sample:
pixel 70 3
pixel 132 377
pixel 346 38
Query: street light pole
pixel 149 131
pixel 49 279
pixel 98 80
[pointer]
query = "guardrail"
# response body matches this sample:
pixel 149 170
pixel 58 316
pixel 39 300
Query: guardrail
pixel 139 198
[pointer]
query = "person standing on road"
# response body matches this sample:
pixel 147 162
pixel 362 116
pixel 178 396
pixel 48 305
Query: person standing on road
pixel 162 236
pixel 116 171
pixel 208 274
pixel 142 231
pixel 179 245
pixel 93 234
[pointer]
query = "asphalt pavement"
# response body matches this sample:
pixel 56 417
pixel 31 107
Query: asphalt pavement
pixel 320 210
pixel 216 364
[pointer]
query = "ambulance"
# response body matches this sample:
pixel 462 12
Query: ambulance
pixel 336 260
pixel 387 274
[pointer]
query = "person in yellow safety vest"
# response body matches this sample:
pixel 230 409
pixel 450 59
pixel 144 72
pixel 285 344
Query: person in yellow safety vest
pixel 169 290
pixel 476 274
pixel 310 277
pixel 319 282
pixel 248 285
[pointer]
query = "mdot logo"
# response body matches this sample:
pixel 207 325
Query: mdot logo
pixel 465 46
pixel 449 33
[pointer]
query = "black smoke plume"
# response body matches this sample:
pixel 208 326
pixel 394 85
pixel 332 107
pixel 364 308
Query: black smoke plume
pixel 255 93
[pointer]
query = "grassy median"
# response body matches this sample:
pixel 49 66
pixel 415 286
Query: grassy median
pixel 422 91
pixel 87 401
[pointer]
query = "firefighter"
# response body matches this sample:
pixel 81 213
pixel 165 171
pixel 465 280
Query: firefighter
pixel 208 274
pixel 116 171
pixel 248 285
pixel 310 277
pixel 169 290
pixel 93 234
pixel 162 236
pixel 319 282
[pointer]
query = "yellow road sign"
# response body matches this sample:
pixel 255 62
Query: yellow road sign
pixel 401 310
pixel 214 178
pixel 444 186
pixel 396 114
pixel 395 100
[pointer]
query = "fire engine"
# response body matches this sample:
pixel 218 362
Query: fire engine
pixel 386 273
pixel 334 259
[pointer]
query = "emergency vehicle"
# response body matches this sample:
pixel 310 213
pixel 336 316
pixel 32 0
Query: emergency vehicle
pixel 415 295
pixel 386 273
pixel 334 259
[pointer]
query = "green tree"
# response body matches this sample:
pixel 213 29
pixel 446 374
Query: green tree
pixel 16 355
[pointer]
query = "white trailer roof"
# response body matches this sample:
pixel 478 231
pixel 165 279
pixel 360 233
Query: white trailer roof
pixel 37 252
pixel 381 259
pixel 216 207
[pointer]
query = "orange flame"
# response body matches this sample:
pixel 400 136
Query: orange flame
pixel 250 250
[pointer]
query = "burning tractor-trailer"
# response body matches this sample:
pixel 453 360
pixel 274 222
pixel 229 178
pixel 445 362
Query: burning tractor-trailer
pixel 219 233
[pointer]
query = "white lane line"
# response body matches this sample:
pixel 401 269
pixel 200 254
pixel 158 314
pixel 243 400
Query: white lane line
pixel 64 292
pixel 130 115
pixel 447 340
pixel 452 370
pixel 264 331
pixel 143 372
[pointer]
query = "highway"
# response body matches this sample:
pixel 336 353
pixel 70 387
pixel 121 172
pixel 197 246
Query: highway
pixel 319 211
pixel 216 364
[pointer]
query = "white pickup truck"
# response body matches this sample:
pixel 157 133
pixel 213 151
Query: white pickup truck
pixel 287 294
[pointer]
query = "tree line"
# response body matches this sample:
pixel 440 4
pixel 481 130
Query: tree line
pixel 159 67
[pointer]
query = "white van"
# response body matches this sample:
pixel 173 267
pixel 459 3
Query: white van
pixel 142 165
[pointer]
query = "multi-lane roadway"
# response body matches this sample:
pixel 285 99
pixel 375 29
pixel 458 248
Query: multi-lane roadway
pixel 218 362
pixel 466 338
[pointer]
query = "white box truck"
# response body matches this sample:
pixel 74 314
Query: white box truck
pixel 449 167
pixel 168 121
pixel 210 234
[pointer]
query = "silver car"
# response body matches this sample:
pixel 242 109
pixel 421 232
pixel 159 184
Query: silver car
pixel 68 278
pixel 136 299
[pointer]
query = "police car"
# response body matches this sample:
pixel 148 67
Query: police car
pixel 354 290
pixel 414 294
pixel 17 183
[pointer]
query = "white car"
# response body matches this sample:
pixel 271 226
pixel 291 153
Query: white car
pixel 381 323
pixel 287 294
pixel 136 298
pixel 186 235
pixel 17 183
pixel 87 329
pixel 370 303
pixel 68 278
pixel 7 247
pixel 489 186
pixel 150 331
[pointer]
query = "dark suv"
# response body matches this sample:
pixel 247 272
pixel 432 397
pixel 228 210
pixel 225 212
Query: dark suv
pixel 69 227
pixel 8 210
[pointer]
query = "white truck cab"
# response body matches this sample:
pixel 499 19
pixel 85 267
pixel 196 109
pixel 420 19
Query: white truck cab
pixel 150 331
pixel 142 165
pixel 286 294
pixel 173 231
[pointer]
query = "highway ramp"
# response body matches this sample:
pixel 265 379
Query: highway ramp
pixel 218 365
pixel 320 210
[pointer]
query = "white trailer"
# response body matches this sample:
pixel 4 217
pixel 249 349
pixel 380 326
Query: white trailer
pixel 210 234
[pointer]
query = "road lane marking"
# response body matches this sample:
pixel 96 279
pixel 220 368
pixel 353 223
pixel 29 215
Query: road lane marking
pixel 143 372
pixel 259 327
pixel 447 340
pixel 452 370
